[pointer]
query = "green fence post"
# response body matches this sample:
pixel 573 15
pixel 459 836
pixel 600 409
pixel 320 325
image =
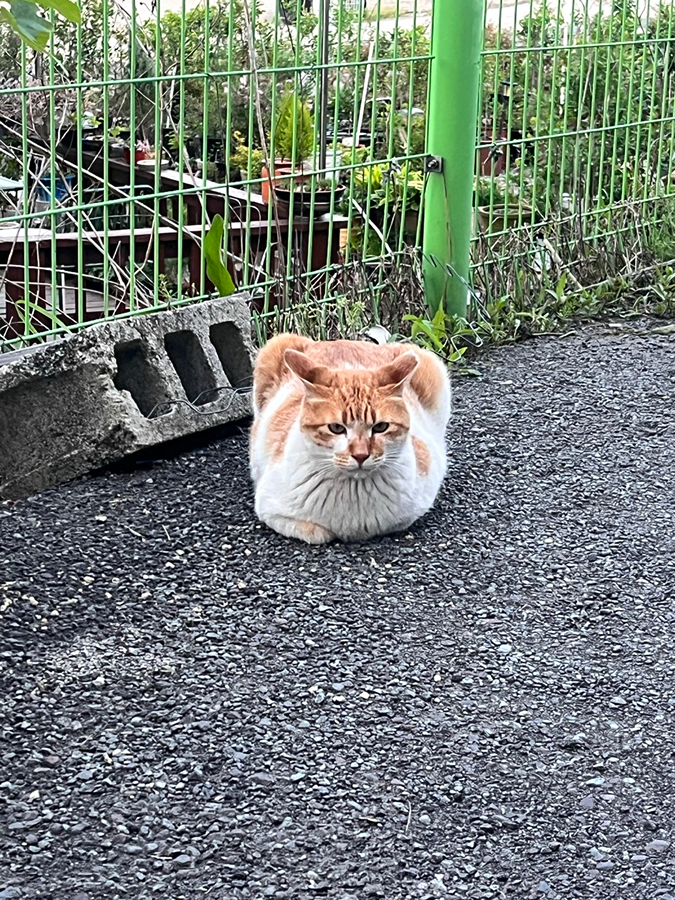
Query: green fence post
pixel 451 136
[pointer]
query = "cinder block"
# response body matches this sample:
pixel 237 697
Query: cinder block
pixel 83 401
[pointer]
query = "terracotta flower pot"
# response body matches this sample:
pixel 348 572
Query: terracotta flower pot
pixel 282 169
pixel 138 155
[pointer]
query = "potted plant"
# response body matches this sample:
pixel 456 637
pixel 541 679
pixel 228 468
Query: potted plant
pixel 92 138
pixel 90 123
pixel 242 157
pixel 292 142
pixel 401 186
pixel 301 191
pixel 142 151
pixel 116 143
pixel 121 130
pixel 499 208
pixel 144 155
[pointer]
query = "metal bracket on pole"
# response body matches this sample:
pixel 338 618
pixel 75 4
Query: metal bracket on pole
pixel 433 165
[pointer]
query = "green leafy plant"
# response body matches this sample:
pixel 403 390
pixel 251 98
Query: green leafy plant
pixel 401 186
pixel 325 184
pixel 293 184
pixel 488 190
pixel 294 132
pixel 216 269
pixel 248 160
pixel 439 334
pixel 23 17
pixel 552 68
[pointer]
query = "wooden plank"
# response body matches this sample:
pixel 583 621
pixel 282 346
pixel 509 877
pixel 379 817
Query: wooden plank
pixel 10 236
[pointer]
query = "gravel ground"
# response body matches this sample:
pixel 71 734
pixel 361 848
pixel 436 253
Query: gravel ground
pixel 193 706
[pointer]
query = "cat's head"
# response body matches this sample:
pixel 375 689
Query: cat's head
pixel 357 417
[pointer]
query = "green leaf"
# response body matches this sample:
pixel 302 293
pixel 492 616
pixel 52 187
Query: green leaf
pixel 216 270
pixel 23 18
pixel 456 355
pixel 66 8
pixel 428 329
pixel 438 320
pixel 28 309
pixel 560 286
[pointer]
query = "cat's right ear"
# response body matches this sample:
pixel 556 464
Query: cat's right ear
pixel 311 375
pixel 396 374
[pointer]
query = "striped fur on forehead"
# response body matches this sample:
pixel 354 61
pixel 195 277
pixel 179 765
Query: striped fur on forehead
pixel 358 401
pixel 428 382
pixel 354 399
pixel 353 394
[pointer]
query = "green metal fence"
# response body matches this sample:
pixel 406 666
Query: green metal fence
pixel 303 126
pixel 576 152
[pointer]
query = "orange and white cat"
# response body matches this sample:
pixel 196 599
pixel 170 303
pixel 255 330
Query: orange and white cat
pixel 348 439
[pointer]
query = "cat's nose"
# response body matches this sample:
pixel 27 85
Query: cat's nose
pixel 360 457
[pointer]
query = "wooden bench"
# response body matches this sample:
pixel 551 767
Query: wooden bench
pixel 81 299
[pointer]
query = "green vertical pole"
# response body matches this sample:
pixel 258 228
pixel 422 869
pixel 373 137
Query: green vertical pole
pixel 451 137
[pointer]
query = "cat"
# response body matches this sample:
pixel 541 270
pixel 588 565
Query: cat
pixel 348 437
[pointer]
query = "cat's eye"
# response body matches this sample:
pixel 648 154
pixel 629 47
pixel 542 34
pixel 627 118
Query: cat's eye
pixel 380 427
pixel 336 428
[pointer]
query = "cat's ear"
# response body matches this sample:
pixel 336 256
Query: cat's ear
pixel 311 375
pixel 395 375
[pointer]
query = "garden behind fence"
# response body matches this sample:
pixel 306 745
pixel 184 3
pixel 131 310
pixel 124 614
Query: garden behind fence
pixel 575 159
pixel 159 153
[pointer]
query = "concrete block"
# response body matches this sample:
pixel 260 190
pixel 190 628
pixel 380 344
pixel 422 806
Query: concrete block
pixel 80 402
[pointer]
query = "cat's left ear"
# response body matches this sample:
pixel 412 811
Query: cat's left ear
pixel 395 375
pixel 312 376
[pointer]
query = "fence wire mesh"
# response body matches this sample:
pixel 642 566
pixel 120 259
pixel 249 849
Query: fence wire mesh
pixel 302 125
pixel 575 156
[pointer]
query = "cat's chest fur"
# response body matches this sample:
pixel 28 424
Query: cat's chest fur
pixel 358 506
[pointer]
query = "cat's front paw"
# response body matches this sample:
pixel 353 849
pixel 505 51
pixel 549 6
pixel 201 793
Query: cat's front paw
pixel 314 534
pixel 302 531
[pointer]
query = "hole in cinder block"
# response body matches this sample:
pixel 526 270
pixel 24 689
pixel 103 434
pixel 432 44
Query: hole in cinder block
pixel 232 353
pixel 138 376
pixel 189 361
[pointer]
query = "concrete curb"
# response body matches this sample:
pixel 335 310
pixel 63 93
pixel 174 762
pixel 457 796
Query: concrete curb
pixel 77 403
